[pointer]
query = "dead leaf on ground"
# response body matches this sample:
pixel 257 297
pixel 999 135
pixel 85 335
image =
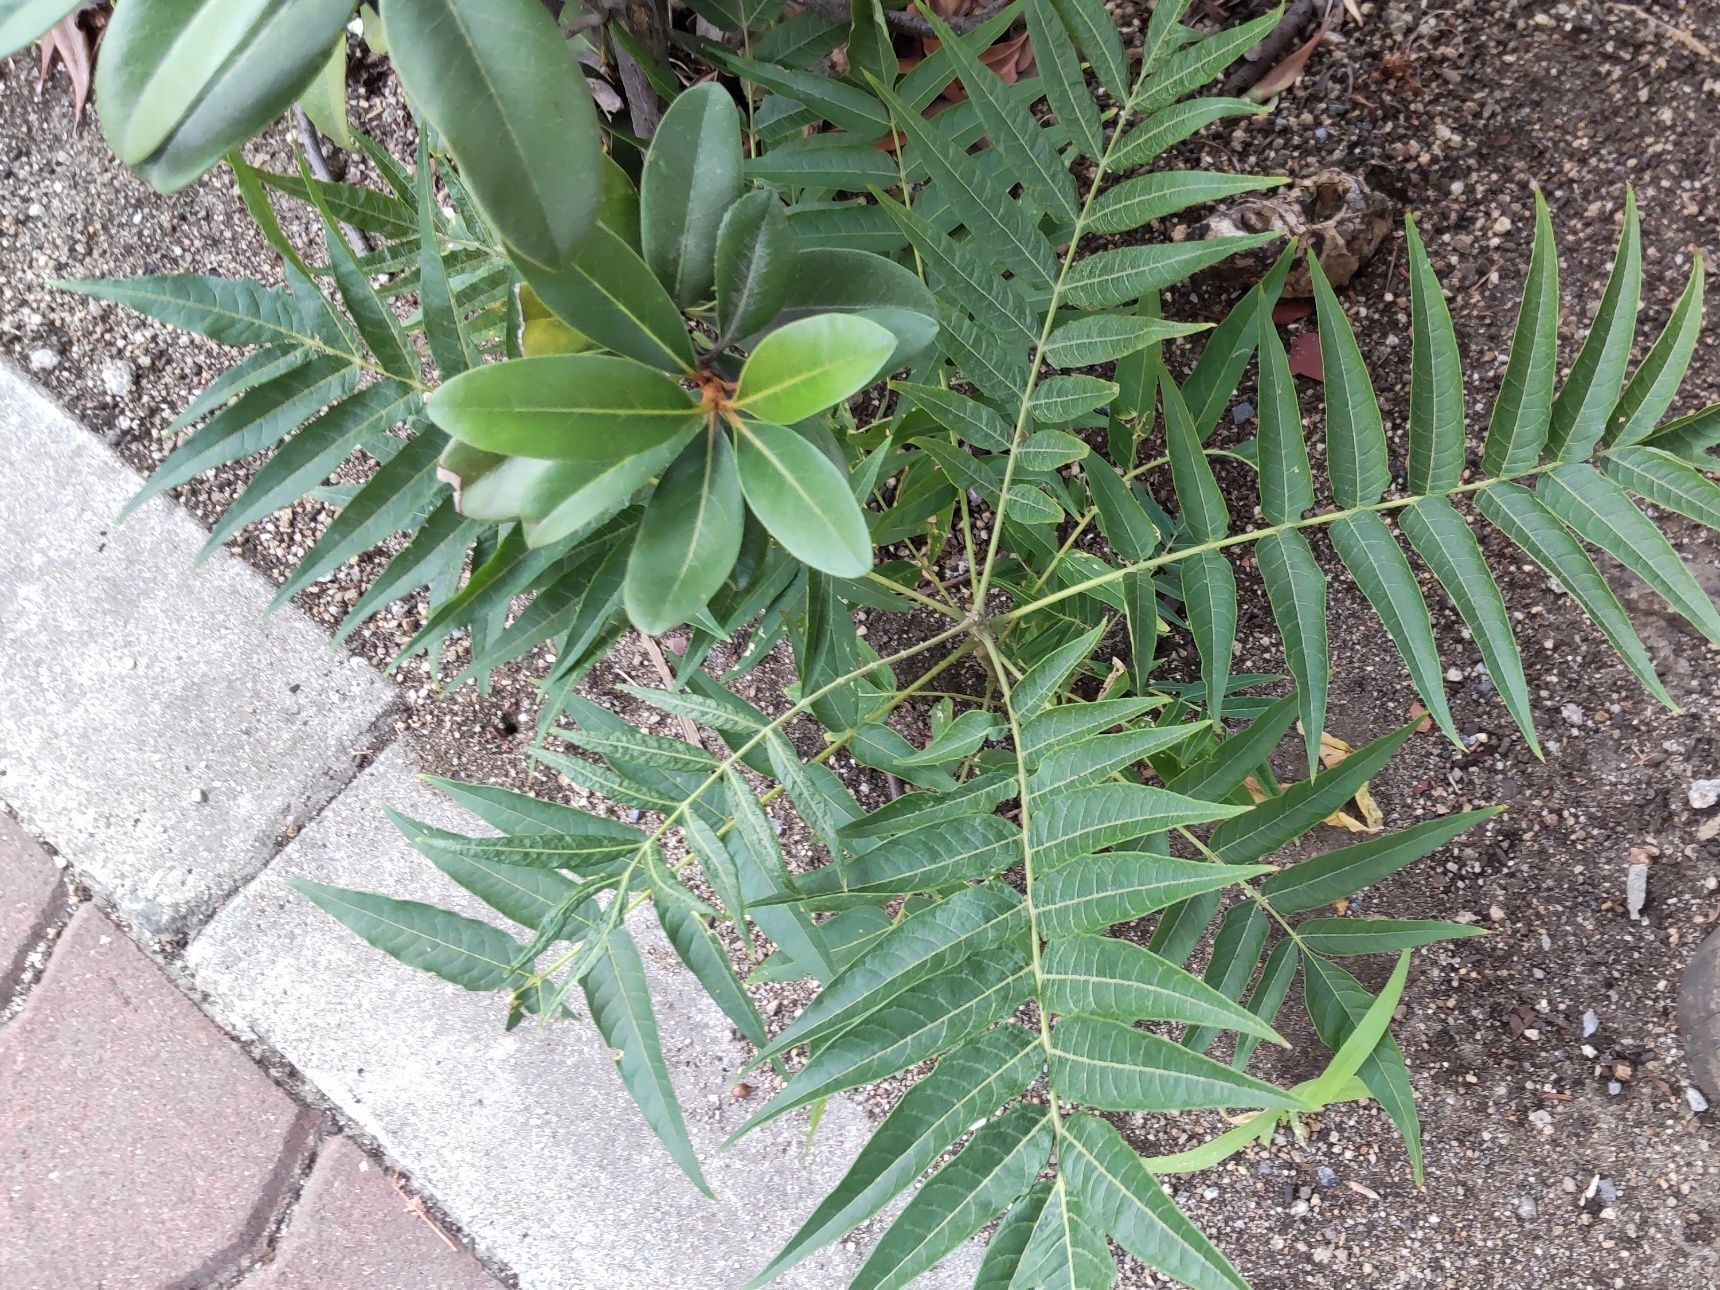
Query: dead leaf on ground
pixel 1289 71
pixel 74 48
pixel 1305 356
pixel 1289 311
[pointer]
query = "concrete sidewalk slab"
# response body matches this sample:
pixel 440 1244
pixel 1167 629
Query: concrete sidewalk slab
pixel 138 1145
pixel 152 722
pixel 352 1227
pixel 528 1139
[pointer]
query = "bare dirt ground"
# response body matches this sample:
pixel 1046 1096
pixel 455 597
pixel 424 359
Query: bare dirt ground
pixel 1554 1155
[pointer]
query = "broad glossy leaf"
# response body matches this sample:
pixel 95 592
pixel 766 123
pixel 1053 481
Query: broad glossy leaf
pixel 1602 513
pixel 1342 872
pixel 181 82
pixel 689 537
pixel 1105 977
pixel 1084 820
pixel 565 407
pixel 802 498
pixel 1525 403
pixel 505 93
pixel 826 280
pixel 841 104
pixel 754 258
pixel 1655 383
pixel 1435 461
pixel 1095 892
pixel 692 176
pixel 21 21
pixel 1520 515
pixel 1443 540
pixel 571 496
pixel 1355 435
pixel 811 364
pixel 1111 1066
pixel 1370 552
pixel 1591 390
pixel 456 948
pixel 608 293
pixel 997 1165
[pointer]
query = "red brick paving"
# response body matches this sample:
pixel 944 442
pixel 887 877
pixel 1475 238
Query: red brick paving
pixel 351 1227
pixel 139 1147
pixel 29 894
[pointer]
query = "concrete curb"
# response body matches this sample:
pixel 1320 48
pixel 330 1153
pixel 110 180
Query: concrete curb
pixel 165 738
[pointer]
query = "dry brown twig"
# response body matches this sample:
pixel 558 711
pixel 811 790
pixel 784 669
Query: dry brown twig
pixel 1677 35
pixel 654 652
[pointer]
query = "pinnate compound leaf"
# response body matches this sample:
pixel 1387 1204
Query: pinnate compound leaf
pixel 996 1166
pixel 456 948
pixel 802 498
pixel 564 407
pixel 506 95
pixel 1435 462
pixel 1099 891
pixel 1355 435
pixel 968 1083
pixel 1342 872
pixel 1591 391
pixel 692 176
pixel 810 365
pixel 689 537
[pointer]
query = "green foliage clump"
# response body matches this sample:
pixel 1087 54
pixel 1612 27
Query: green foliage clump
pixel 666 437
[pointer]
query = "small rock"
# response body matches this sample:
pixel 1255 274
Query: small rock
pixel 1614 1088
pixel 1636 889
pixel 1608 1191
pixel 1326 1176
pixel 1243 413
pixel 1704 793
pixel 1454 674
pixel 633 813
pixel 1698 1103
pixel 1209 1193
pixel 118 378
pixel 1591 1023
pixel 1572 714
pixel 1527 1209
pixel 45 359
pixel 1542 1120
pixel 199 795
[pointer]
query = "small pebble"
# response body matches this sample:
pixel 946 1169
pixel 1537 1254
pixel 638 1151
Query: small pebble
pixel 118 378
pixel 1242 413
pixel 1527 1209
pixel 44 359
pixel 1591 1023
pixel 199 795
pixel 1327 1176
pixel 1704 793
pixel 1698 1103
pixel 1636 889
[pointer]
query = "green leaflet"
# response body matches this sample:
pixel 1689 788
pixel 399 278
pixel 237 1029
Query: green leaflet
pixel 1238 755
pixel 997 1165
pixel 1355 435
pixel 1066 1251
pixel 1600 512
pixel 1107 977
pixel 1296 590
pixel 1126 1201
pixel 1169 126
pixel 1663 479
pixel 1084 820
pixel 1365 544
pixel 1525 403
pixel 1209 601
pixel 1435 463
pixel 952 850
pixel 1336 937
pixel 692 176
pixel 1107 279
pixel 1340 873
pixel 1591 391
pixel 1442 539
pixel 1065 86
pixel 1286 482
pixel 1101 756
pixel 1139 201
pixel 969 1082
pixel 1009 1240
pixel 1101 891
pixel 1655 383
pixel 1092 29
pixel 1521 516
pixel 1235 953
pixel 963 274
pixel 1040 684
pixel 929 943
pixel 1111 1066
pixel 1103 338
pixel 456 948
pixel 914 811
pixel 21 21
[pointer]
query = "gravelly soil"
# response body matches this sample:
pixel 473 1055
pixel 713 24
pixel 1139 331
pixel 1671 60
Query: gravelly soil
pixel 1455 110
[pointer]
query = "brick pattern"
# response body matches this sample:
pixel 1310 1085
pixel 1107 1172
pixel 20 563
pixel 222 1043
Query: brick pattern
pixel 29 896
pixel 139 1147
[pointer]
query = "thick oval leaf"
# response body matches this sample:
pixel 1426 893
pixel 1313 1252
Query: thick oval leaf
pixel 810 365
pixel 181 82
pixel 563 407
pixel 501 85
pixel 833 280
pixel 803 499
pixel 755 257
pixel 608 294
pixel 688 539
pixel 564 497
pixel 21 21
pixel 692 176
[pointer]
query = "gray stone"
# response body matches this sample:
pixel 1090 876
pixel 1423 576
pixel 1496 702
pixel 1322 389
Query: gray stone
pixel 527 1139
pixel 139 1146
pixel 132 681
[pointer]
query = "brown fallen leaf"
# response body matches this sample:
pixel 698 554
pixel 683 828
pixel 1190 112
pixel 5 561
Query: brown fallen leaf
pixel 73 47
pixel 1289 71
pixel 1289 311
pixel 1305 356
